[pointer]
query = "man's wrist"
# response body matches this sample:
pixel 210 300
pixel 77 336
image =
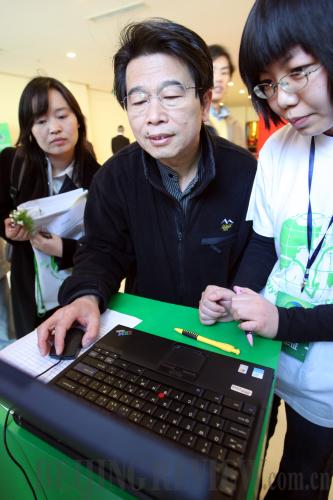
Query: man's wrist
pixel 93 298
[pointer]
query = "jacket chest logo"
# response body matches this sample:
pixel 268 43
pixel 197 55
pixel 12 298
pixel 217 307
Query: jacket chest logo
pixel 226 224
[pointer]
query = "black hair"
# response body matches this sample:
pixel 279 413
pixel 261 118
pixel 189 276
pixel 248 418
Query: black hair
pixel 34 102
pixel 159 35
pixel 216 51
pixel 273 28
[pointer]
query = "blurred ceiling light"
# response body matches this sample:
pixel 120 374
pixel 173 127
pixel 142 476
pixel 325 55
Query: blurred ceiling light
pixel 230 84
pixel 242 91
pixel 71 55
pixel 116 10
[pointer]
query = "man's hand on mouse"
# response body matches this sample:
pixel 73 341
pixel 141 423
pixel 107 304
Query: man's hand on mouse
pixel 83 310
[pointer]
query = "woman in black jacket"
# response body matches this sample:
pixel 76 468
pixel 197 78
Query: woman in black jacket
pixel 52 157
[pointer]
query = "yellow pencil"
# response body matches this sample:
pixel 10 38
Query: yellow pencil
pixel 205 340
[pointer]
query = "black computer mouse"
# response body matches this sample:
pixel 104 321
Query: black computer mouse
pixel 72 346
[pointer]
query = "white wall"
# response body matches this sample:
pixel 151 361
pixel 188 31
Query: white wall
pixel 10 91
pixel 106 115
pixel 101 109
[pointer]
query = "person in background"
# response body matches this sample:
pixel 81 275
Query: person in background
pixel 221 122
pixel 167 212
pixel 52 157
pixel 119 141
pixel 6 316
pixel 289 72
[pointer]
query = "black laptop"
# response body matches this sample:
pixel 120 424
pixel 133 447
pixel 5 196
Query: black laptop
pixel 159 418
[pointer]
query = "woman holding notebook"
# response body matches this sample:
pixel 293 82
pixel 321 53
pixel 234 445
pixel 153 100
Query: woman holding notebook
pixel 52 157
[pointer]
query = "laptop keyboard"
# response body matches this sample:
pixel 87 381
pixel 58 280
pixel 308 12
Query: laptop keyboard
pixel 216 426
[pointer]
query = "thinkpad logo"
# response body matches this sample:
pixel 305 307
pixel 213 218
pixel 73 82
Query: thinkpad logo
pixel 123 332
pixel 226 224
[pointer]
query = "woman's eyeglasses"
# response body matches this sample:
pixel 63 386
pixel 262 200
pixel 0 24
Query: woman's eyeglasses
pixel 291 83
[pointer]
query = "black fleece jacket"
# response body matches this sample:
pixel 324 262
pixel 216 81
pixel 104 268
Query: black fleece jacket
pixel 135 229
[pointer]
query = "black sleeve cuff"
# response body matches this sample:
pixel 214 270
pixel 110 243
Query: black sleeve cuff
pixel 74 287
pixel 306 325
pixel 257 263
pixel 68 250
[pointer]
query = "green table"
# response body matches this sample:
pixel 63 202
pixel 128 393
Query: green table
pixel 55 475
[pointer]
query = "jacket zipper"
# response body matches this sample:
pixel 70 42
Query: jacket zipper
pixel 180 234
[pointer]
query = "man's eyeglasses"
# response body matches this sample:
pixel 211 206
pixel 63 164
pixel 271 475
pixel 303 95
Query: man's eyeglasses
pixel 291 83
pixel 170 97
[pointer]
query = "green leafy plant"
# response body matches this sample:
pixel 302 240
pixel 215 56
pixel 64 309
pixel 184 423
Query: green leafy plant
pixel 22 218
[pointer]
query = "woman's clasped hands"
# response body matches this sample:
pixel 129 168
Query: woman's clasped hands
pixel 251 309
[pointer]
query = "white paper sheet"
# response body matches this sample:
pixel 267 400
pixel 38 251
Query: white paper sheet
pixel 24 353
pixel 59 214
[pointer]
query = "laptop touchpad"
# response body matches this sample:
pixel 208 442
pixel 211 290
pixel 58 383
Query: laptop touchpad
pixel 184 362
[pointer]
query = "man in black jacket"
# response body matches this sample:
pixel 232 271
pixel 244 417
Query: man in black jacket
pixel 119 141
pixel 168 212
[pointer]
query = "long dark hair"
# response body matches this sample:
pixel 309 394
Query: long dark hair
pixel 274 27
pixel 160 35
pixel 34 102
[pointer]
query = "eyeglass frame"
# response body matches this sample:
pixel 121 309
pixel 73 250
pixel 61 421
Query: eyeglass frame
pixel 274 86
pixel 157 95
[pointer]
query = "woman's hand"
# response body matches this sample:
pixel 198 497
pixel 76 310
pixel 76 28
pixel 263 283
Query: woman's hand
pixel 214 305
pixel 14 231
pixel 255 313
pixel 48 243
